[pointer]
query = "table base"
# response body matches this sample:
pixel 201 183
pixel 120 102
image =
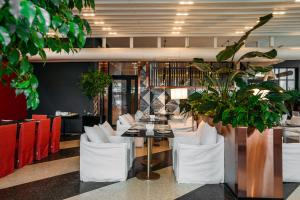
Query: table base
pixel 143 176
pixel 154 162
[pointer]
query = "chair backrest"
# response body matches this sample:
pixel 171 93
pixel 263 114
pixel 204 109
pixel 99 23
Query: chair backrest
pixel 26 144
pixel 55 135
pixel 43 138
pixel 8 137
pixel 39 117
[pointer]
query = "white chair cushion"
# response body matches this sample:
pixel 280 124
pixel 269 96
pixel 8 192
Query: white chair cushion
pixel 124 121
pixel 130 118
pixel 208 134
pixel 108 128
pixel 94 134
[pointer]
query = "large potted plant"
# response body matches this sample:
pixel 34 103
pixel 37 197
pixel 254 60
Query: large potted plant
pixel 93 84
pixel 29 26
pixel 247 115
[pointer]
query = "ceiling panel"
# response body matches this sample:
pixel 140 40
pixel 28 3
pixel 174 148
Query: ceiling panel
pixel 205 17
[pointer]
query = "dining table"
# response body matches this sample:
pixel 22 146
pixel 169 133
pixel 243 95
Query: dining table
pixel 158 131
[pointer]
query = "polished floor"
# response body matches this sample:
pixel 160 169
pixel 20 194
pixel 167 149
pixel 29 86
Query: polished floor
pixel 57 177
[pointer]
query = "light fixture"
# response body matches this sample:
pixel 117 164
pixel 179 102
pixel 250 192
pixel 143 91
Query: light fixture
pixel 248 27
pixel 239 32
pixel 182 14
pixel 279 12
pixel 186 2
pixel 97 23
pixel 88 14
pixel 179 22
pixel 175 32
pixel 106 28
pixel 177 28
pixel 179 93
pixel 112 33
pixel 257 21
pixel 297 0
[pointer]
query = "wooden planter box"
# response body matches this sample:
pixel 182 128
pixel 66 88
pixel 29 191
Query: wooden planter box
pixel 253 162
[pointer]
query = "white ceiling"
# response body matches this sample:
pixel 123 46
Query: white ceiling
pixel 133 18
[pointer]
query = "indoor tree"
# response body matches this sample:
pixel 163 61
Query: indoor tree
pixel 29 26
pixel 93 84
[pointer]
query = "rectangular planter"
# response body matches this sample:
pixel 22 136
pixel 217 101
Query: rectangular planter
pixel 253 162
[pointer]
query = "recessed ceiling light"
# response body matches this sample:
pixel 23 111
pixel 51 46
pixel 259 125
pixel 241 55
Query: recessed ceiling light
pixel 239 32
pixel 88 14
pixel 186 2
pixel 279 12
pixel 182 14
pixel 248 27
pixel 179 22
pixel 257 21
pixel 297 0
pixel 177 28
pixel 97 23
pixel 106 29
pixel 112 33
pixel 175 32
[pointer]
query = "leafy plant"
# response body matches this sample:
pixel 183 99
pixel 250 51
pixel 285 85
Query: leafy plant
pixel 93 84
pixel 294 97
pixel 25 27
pixel 229 98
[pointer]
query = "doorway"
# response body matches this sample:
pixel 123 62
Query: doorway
pixel 122 97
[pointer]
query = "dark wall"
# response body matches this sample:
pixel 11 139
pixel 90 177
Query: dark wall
pixel 59 90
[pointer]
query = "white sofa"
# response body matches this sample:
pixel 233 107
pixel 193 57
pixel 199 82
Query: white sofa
pixel 103 162
pixel 198 163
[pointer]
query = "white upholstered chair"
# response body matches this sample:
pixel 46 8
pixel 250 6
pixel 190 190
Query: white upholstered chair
pixel 291 162
pixel 103 162
pixel 123 124
pixel 199 158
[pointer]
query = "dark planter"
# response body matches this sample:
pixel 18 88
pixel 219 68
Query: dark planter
pixel 253 162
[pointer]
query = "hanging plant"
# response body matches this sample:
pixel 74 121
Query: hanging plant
pixel 29 26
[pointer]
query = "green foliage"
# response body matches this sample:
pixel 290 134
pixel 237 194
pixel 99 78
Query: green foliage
pixel 230 99
pixel 294 97
pixel 93 83
pixel 24 28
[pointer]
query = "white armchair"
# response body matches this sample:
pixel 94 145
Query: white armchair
pixel 291 162
pixel 123 125
pixel 186 125
pixel 103 162
pixel 195 163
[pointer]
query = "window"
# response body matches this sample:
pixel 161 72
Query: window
pixel 287 77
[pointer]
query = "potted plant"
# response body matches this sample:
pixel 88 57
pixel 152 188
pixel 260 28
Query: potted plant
pixel 292 100
pixel 93 84
pixel 247 115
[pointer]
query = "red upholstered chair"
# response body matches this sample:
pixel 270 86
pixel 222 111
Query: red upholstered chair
pixel 26 144
pixel 42 139
pixel 8 137
pixel 55 135
pixel 39 117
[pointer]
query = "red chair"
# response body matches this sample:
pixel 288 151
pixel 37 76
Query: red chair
pixel 8 137
pixel 39 117
pixel 55 135
pixel 42 139
pixel 26 144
